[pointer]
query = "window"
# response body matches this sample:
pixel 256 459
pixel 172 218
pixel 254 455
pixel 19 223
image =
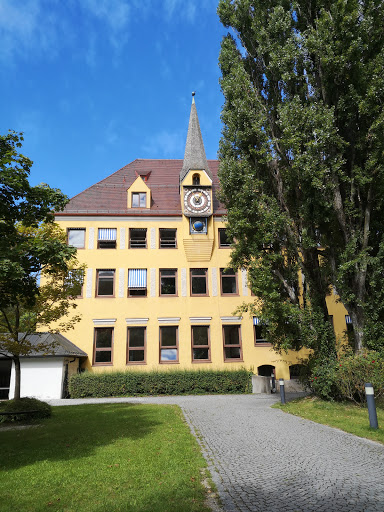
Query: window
pixel 196 179
pixel 228 278
pixel 102 351
pixel 232 343
pixel 167 238
pixel 259 336
pixel 139 199
pixel 76 237
pixel 296 371
pixel 137 238
pixel 136 345
pixel 199 281
pixel 105 283
pixel 259 332
pixel 74 281
pixel 224 242
pixel 145 177
pixel 137 282
pixel 107 238
pixel 200 343
pixel 169 344
pixel 350 331
pixel 168 282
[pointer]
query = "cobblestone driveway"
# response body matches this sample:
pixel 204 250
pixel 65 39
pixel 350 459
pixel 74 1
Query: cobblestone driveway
pixel 262 459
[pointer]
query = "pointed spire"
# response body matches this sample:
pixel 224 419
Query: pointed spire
pixel 194 156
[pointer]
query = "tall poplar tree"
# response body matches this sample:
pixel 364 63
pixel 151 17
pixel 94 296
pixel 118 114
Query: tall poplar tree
pixel 302 162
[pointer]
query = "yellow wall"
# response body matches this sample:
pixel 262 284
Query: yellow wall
pixel 121 308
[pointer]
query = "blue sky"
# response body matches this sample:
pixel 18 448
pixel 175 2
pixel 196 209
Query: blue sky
pixel 94 84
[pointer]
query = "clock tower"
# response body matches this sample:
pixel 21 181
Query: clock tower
pixel 196 192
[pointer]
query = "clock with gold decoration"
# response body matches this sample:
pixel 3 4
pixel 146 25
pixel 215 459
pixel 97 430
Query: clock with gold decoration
pixel 197 201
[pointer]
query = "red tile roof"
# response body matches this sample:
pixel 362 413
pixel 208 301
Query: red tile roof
pixel 109 196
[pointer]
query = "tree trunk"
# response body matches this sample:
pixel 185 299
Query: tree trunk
pixel 357 315
pixel 16 361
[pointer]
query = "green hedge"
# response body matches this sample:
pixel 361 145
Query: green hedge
pixel 131 383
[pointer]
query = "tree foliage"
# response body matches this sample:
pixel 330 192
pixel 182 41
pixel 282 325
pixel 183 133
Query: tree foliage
pixel 31 247
pixel 53 300
pixel 302 161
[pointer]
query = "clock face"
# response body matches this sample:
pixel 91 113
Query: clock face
pixel 197 200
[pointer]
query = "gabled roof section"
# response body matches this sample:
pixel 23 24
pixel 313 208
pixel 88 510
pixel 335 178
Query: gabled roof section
pixel 61 345
pixel 109 196
pixel 194 156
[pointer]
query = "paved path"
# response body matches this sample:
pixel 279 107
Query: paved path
pixel 262 459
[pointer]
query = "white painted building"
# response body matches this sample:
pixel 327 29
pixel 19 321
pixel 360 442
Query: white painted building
pixel 43 376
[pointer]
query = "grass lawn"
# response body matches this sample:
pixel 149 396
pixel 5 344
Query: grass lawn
pixel 107 457
pixel 345 416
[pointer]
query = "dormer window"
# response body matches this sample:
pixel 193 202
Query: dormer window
pixel 139 194
pixel 196 179
pixel 139 199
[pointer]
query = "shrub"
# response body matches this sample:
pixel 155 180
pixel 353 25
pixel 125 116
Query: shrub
pixel 131 383
pixel 35 409
pixel 357 369
pixel 323 379
pixel 344 378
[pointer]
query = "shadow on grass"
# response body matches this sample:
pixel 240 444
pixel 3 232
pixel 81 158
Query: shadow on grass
pixel 93 458
pixel 75 432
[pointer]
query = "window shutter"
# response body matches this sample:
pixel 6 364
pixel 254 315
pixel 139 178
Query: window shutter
pixel 107 234
pixel 137 278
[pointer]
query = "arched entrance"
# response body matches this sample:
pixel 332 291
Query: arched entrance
pixel 265 370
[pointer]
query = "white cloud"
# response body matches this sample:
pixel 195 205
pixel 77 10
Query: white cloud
pixel 42 28
pixel 17 27
pixel 186 10
pixel 31 27
pixel 111 133
pixel 115 13
pixel 91 52
pixel 165 145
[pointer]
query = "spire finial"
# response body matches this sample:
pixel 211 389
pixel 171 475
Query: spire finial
pixel 193 96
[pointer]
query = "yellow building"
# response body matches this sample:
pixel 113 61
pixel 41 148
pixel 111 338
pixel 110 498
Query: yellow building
pixel 157 292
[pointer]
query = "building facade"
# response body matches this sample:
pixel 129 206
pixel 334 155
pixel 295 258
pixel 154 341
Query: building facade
pixel 158 293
